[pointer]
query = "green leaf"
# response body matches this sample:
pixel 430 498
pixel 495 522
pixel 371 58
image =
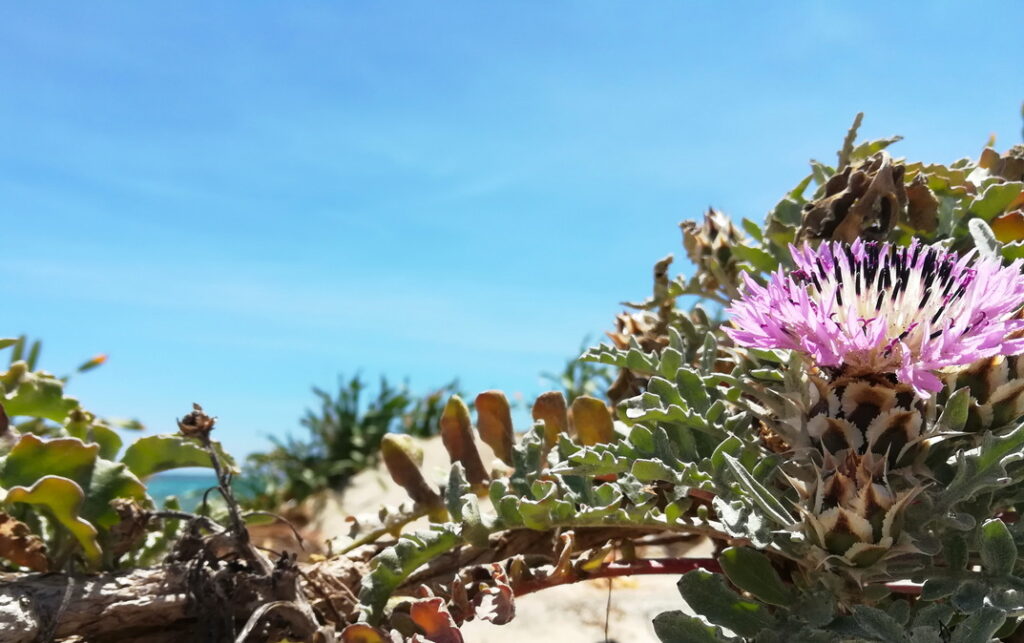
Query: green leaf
pixel 925 634
pixel 678 627
pixel 981 470
pixel 979 627
pixel 761 496
pixel 750 227
pixel 756 257
pixel 87 428
pixel 867 148
pixel 998 551
pixel 155 453
pixel 394 564
pixel 651 470
pixel 969 596
pixel 729 446
pixel 110 480
pixel 458 487
pixel 35 394
pixel 709 353
pixel 63 498
pixel 751 571
pixel 707 594
pixel 954 412
pixel 1013 250
pixel 692 389
pixel 474 530
pixel 935 615
pixel 32 458
pixel 984 239
pixel 818 608
pixel 878 624
pixel 995 199
pixel 936 588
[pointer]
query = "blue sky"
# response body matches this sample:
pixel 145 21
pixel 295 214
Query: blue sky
pixel 239 200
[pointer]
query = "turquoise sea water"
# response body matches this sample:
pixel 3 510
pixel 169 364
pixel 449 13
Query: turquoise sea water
pixel 188 487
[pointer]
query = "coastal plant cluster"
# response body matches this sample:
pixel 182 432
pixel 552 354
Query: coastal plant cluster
pixel 831 398
pixel 841 418
pixel 73 495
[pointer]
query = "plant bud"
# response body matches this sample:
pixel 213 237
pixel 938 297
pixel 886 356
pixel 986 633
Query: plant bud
pixel 494 422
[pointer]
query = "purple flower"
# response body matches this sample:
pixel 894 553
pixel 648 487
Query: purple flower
pixel 880 308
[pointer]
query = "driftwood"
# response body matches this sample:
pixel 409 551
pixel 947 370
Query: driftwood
pixel 142 605
pixel 190 600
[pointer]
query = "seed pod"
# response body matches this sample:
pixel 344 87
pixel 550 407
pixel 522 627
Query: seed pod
pixel 403 458
pixel 549 408
pixel 457 436
pixel 494 423
pixel 592 421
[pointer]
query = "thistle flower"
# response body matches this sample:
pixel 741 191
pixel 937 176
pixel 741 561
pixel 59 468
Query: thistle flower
pixel 876 308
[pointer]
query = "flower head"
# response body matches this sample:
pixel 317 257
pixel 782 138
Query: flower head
pixel 880 308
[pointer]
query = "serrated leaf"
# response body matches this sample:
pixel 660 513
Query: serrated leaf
pixel 981 470
pixel 707 594
pixel 751 571
pixel 474 531
pixel 458 487
pixel 998 551
pixel 729 446
pixel 761 496
pixel 671 362
pixel 692 389
pixel 155 453
pixel 652 470
pixel 394 564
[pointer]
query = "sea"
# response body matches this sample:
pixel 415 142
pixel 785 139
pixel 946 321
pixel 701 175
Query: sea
pixel 188 488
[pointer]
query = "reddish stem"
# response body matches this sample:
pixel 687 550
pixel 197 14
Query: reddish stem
pixel 651 566
pixel 639 567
